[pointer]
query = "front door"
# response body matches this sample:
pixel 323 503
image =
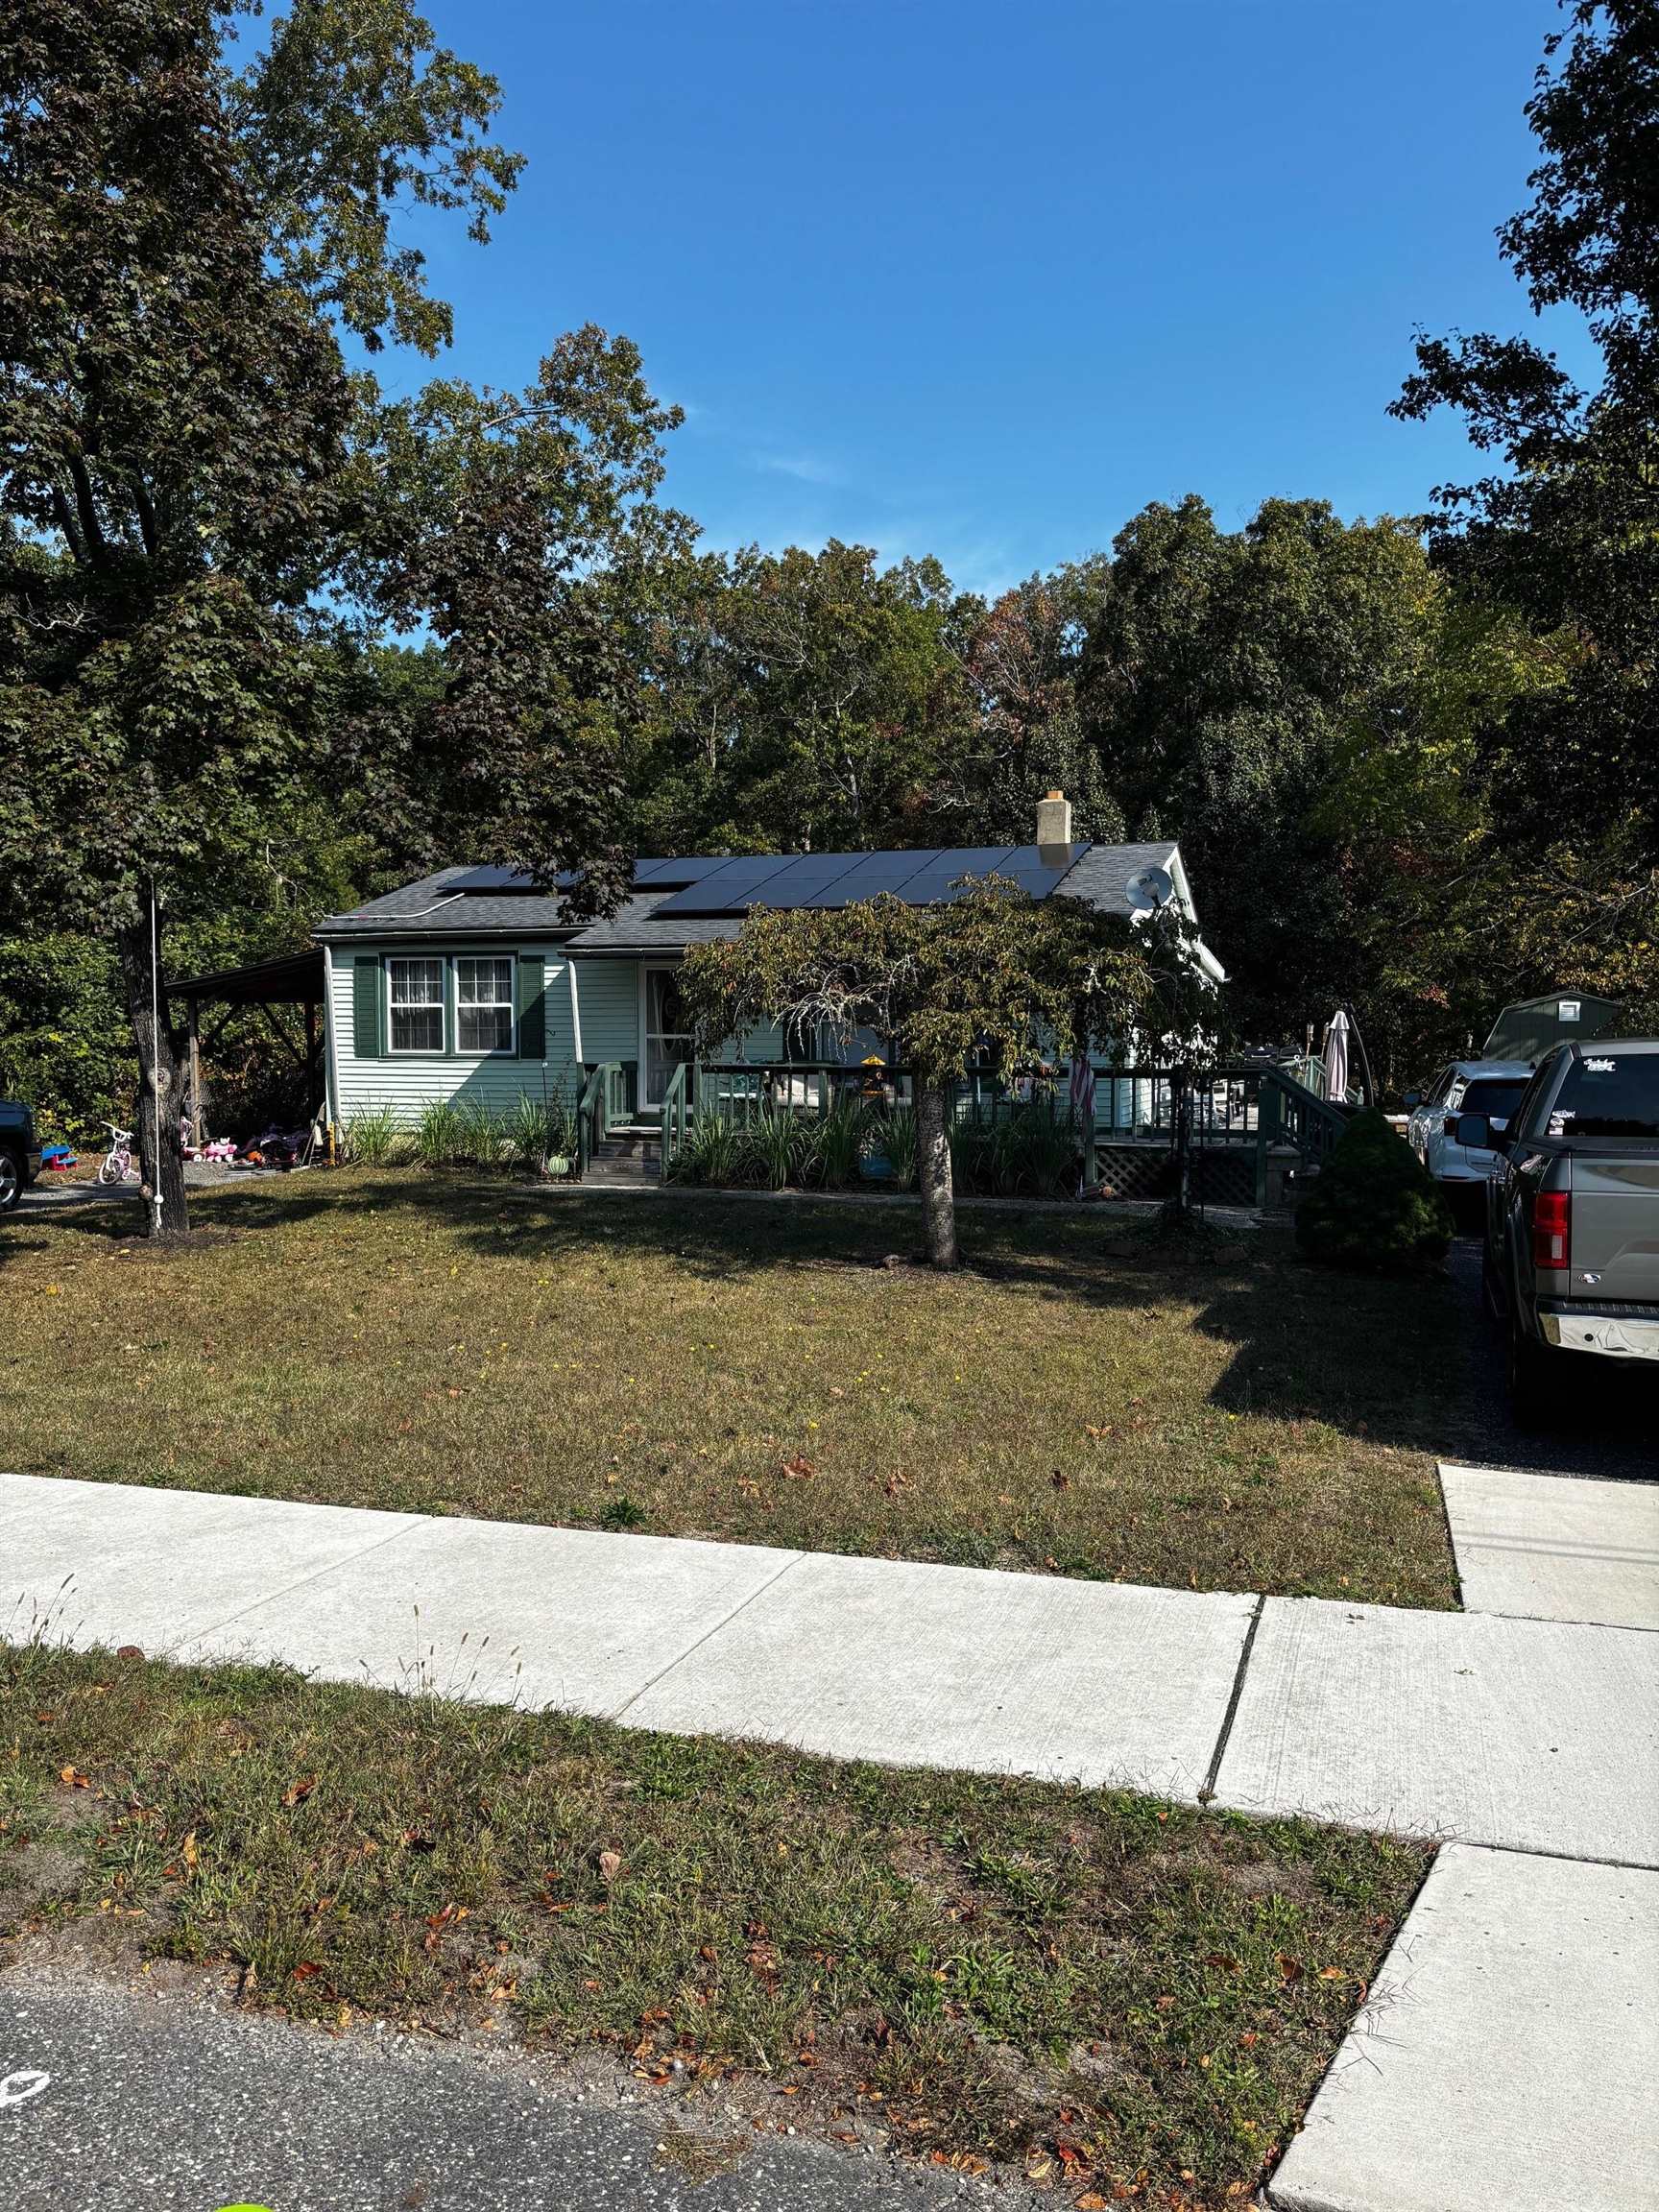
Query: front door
pixel 667 1036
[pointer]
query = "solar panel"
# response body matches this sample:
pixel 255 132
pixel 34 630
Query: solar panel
pixel 489 879
pixel 729 889
pixel 670 874
pixel 828 881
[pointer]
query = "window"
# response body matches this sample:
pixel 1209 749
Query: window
pixel 417 1005
pixel 1496 1096
pixel 1609 1094
pixel 484 1005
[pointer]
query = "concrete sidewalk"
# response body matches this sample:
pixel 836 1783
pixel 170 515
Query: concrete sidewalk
pixel 1533 1735
pixel 1506 2055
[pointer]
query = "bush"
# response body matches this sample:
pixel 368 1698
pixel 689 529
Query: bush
pixel 370 1135
pixel 479 1136
pixel 1373 1206
pixel 438 1135
pixel 1020 1149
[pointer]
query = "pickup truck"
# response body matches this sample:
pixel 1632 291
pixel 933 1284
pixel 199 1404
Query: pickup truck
pixel 1572 1253
pixel 20 1153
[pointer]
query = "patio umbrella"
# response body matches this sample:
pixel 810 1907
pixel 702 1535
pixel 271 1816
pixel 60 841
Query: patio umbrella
pixel 1336 1058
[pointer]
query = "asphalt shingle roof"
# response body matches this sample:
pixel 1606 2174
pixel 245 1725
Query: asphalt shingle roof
pixel 434 906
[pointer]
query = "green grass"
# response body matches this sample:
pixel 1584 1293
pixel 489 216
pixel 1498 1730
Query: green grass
pixel 1136 1996
pixel 1084 1397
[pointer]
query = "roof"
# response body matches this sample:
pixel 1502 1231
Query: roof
pixel 1526 1028
pixel 703 898
pixel 293 978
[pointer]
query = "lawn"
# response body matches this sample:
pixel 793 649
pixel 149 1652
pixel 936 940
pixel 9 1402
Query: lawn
pixel 1086 1397
pixel 1136 1998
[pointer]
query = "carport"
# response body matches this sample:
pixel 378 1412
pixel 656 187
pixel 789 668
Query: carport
pixel 293 979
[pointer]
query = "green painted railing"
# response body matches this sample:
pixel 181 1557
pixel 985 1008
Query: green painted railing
pixel 1291 1113
pixel 673 1117
pixel 604 1103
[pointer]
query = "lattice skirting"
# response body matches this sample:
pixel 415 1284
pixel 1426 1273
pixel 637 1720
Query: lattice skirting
pixel 1221 1175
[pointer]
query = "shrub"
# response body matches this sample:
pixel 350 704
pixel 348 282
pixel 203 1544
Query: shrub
pixel 479 1136
pixel 1373 1206
pixel 370 1136
pixel 438 1135
pixel 527 1131
pixel 715 1149
pixel 841 1138
pixel 895 1134
pixel 1023 1149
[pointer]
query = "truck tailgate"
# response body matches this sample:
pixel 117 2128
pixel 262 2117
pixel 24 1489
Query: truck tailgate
pixel 1615 1227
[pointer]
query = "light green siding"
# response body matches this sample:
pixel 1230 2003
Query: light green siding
pixel 609 992
pixel 407 1083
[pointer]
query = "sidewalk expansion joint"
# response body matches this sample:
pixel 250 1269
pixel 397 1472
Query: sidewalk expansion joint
pixel 300 1581
pixel 1207 1795
pixel 697 1643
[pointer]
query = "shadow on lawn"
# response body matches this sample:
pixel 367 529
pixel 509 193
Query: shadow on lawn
pixel 1417 1364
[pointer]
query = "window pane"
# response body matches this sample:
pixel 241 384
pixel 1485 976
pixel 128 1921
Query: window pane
pixel 484 983
pixel 1492 1095
pixel 484 1028
pixel 416 1028
pixel 1609 1094
pixel 417 982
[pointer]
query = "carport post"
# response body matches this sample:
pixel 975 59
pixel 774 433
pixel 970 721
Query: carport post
pixel 198 1118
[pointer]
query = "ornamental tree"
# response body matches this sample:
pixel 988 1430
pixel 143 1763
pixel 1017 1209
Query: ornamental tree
pixel 992 975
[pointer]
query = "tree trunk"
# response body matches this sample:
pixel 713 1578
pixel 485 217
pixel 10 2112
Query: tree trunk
pixel 933 1174
pixel 160 1086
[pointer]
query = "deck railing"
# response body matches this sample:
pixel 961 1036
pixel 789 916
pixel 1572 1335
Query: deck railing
pixel 603 1105
pixel 1252 1106
pixel 673 1117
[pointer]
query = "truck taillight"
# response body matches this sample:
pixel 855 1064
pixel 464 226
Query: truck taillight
pixel 1552 1228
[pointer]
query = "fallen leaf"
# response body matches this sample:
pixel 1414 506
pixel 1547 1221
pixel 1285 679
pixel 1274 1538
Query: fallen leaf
pixel 610 1865
pixel 1290 1968
pixel 297 1792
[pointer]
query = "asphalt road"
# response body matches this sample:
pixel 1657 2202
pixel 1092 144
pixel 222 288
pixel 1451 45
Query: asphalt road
pixel 158 2103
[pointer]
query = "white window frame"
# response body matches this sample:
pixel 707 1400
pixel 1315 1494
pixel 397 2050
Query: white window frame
pixel 510 1049
pixel 418 1051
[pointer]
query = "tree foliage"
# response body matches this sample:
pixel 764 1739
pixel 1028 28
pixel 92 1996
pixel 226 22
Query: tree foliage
pixel 991 978
pixel 1565 531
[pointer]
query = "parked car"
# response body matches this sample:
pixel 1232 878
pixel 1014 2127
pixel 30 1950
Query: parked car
pixel 19 1151
pixel 1572 1253
pixel 1489 1087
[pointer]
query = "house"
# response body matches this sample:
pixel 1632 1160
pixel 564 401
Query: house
pixel 473 984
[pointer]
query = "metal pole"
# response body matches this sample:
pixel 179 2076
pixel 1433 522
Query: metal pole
pixel 156 1051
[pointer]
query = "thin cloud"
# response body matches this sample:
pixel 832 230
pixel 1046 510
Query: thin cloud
pixel 803 467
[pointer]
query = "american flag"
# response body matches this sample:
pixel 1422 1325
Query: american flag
pixel 1083 1112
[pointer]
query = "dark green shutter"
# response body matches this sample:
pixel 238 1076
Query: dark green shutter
pixel 368 1006
pixel 531 1006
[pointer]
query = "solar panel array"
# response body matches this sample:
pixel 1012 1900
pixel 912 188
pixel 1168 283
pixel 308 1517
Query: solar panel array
pixel 833 880
pixel 710 884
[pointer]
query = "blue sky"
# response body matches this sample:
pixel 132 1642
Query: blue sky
pixel 940 276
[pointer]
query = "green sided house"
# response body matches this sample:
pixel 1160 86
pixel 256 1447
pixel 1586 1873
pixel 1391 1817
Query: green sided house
pixel 473 985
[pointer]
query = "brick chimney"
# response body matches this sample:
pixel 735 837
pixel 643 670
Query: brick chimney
pixel 1053 820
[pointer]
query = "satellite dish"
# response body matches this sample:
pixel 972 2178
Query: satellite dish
pixel 1150 887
